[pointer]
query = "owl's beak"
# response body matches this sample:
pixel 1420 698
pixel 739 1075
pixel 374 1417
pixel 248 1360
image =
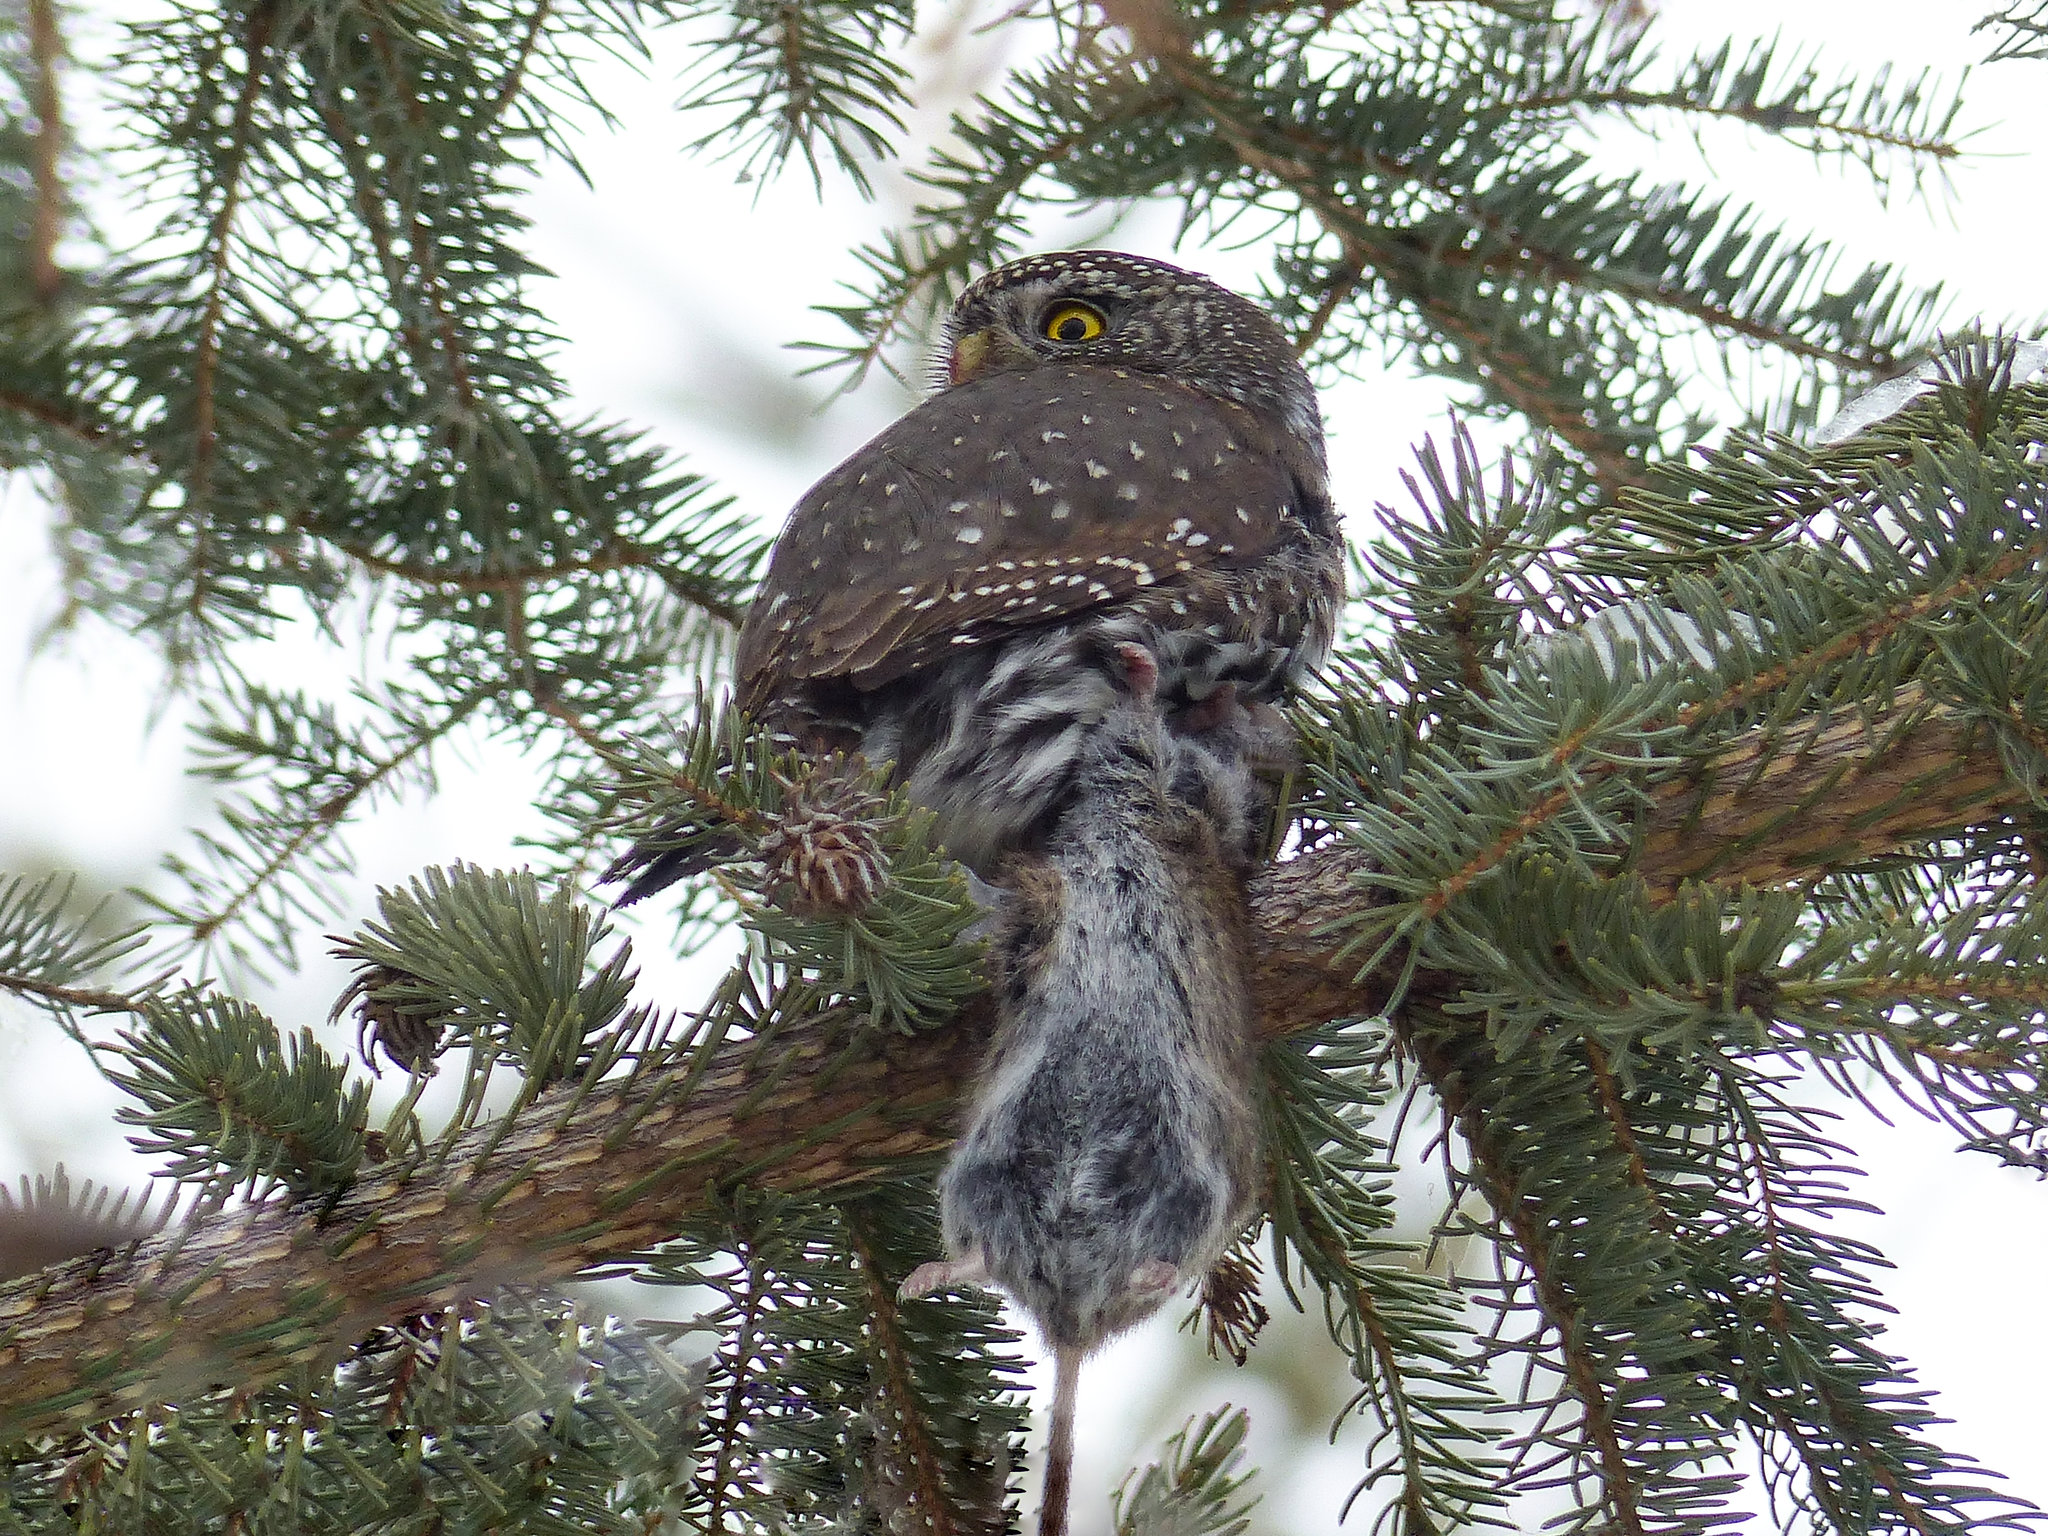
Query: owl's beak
pixel 970 353
pixel 992 349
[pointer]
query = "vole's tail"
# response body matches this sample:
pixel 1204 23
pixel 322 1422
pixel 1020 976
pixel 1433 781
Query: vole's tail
pixel 1059 1448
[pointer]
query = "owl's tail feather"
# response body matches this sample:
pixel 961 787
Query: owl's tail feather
pixel 648 867
pixel 682 849
pixel 1059 1448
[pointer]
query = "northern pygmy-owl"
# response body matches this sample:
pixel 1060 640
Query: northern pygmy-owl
pixel 1121 452
pixel 1060 596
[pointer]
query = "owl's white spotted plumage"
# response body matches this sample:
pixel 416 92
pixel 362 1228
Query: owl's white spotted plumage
pixel 1007 501
pixel 1122 453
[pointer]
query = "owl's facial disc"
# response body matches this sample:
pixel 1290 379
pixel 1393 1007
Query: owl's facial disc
pixel 1114 310
pixel 1027 329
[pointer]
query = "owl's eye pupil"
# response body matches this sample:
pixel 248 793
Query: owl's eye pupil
pixel 1073 328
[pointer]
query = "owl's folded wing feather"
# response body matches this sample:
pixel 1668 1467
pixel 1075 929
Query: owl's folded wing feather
pixel 1006 502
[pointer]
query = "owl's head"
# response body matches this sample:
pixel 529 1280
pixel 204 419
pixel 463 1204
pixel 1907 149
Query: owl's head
pixel 1119 311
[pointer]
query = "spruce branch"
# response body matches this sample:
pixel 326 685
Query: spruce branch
pixel 590 1172
pixel 1839 797
pixel 60 415
pixel 46 50
pixel 2025 30
pixel 831 866
pixel 314 775
pixel 956 1476
pixel 1817 1378
pixel 227 195
pixel 1613 1106
pixel 370 195
pixel 1509 249
pixel 46 951
pixel 823 1395
pixel 97 999
pixel 1599 1292
pixel 815 80
pixel 1403 1330
pixel 234 1101
pixel 1523 383
pixel 484 954
pixel 917 1475
pixel 1199 1489
pixel 619 555
pixel 396 205
pixel 739 1343
pixel 517 1413
pixel 1883 792
pixel 1786 97
pixel 523 57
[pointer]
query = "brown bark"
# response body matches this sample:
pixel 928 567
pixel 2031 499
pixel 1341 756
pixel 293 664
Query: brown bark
pixel 46 48
pixel 578 1180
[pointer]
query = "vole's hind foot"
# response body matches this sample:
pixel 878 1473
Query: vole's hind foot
pixel 943 1275
pixel 1154 1277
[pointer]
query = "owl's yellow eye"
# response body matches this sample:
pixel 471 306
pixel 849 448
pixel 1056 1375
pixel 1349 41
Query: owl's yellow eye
pixel 1072 321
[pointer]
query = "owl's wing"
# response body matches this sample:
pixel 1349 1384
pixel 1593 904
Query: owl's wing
pixel 1009 501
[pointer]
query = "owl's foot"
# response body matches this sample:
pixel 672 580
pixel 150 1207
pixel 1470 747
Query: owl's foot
pixel 1254 733
pixel 1219 709
pixel 944 1274
pixel 990 898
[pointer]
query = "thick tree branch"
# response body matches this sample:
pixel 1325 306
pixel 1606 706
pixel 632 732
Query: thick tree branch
pixel 586 1175
pixel 578 1178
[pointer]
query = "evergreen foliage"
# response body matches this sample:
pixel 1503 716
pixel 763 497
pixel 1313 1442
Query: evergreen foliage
pixel 1651 784
pixel 485 955
pixel 1196 1490
pixel 2020 31
pixel 226 1098
pixel 840 879
pixel 829 1405
pixel 569 1424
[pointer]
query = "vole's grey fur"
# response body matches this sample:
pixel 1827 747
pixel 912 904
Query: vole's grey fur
pixel 1111 1152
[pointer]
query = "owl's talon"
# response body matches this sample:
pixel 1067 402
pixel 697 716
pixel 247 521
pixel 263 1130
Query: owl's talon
pixel 989 899
pixel 1220 708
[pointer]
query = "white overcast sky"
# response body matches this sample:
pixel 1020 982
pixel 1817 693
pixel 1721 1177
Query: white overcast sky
pixel 678 293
